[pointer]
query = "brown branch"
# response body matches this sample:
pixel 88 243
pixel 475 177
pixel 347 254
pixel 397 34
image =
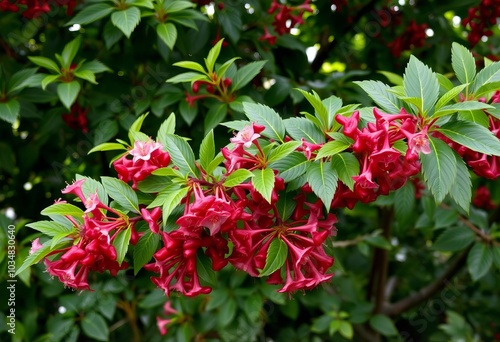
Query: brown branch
pixel 324 50
pixel 429 290
pixel 347 243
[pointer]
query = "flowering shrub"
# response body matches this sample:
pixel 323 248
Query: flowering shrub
pixel 245 171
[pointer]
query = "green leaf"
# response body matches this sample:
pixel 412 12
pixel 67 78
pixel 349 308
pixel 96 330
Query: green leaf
pixel 49 228
pixel 45 63
pixel 41 253
pixel 454 239
pixel 419 81
pixel 263 182
pixel 237 177
pixel 489 75
pixel 172 201
pixel 473 136
pixel 121 243
pixel 395 79
pixel 107 147
pixel 346 165
pixel 144 250
pixel 188 77
pixel 21 79
pixel 9 111
pixel 221 70
pixel 404 204
pixel 346 330
pixel 62 209
pixel 383 325
pixel 86 75
pixel 205 270
pixel 168 33
pixel 126 20
pixel 226 314
pixel 94 66
pixel 67 92
pixel 48 80
pixel 463 63
pixel 290 167
pixel 215 115
pixel 191 65
pixel 381 95
pixel 91 13
pixel 111 34
pixel 70 50
pixel 453 108
pixel 323 181
pixel 449 95
pixel 461 192
pixel 334 147
pixel 207 150
pixel 181 154
pixel 319 107
pixel 264 115
pixel 95 327
pixel 378 241
pixel 246 73
pixel 487 88
pixel 332 104
pixel 286 205
pixel 121 192
pixel 479 260
pixel 477 116
pixel 167 127
pixel 213 54
pixel 439 168
pixel 283 150
pixel 299 128
pixel 176 6
pixel 276 257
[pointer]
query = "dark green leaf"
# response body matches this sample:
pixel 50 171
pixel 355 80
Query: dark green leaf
pixel 67 92
pixel 205 270
pixel 479 260
pixel 381 95
pixel 95 327
pixel 383 325
pixel 461 192
pixel 121 243
pixel 121 192
pixel 168 33
pixel 91 13
pixel 144 250
pixel 9 111
pixel 454 239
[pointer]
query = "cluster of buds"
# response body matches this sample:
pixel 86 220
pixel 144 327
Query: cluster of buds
pixel 93 248
pixel 77 118
pixel 173 314
pixel 34 8
pixel 147 156
pixel 285 18
pixel 482 199
pixel 480 19
pixel 383 168
pixel 217 88
pixel 413 37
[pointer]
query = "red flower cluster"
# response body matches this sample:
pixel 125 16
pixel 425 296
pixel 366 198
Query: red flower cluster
pixel 285 19
pixel 34 8
pixel 93 249
pixel 217 88
pixel 480 19
pixel 482 199
pixel 77 118
pixel 147 157
pixel 413 37
pixel 383 168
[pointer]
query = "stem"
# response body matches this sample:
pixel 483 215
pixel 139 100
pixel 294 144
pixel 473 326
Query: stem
pixel 429 290
pixel 129 309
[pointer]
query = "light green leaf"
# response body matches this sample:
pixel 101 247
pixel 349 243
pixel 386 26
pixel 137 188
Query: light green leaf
pixel 94 66
pixel 213 54
pixel 9 111
pixel 450 95
pixel 172 201
pixel 168 33
pixel 332 104
pixel 460 106
pixel 395 79
pixel 490 74
pixel 419 81
pixel 41 253
pixel 473 136
pixel 276 257
pixel 62 209
pixel 320 109
pixel 221 70
pixel 167 127
pixel 126 20
pixel 70 50
pixel 121 243
pixel 283 150
pixel 323 181
pixel 107 147
pixel 176 6
pixel 454 239
pixel 48 80
pixel 91 13
pixel 191 65
pixel 463 63
pixel 45 63
pixel 67 92
pixel 49 228
pixel 144 250
pixel 439 168
pixel 263 182
pixel 266 116
pixel 121 192
pixel 188 77
pixel 207 150
pixel 334 147
pixel 479 260
pixel 86 75
pixel 477 116
pixel 237 177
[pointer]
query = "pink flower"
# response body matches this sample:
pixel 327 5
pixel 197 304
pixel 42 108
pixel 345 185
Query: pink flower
pixel 143 149
pixel 35 245
pixel 246 136
pixel 162 325
pixel 419 143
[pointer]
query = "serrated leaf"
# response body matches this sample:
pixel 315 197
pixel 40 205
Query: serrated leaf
pixel 172 201
pixel 168 33
pixel 207 150
pixel 454 239
pixel 319 107
pixel 449 95
pixel 322 179
pixel 334 147
pixel 404 204
pixel 42 252
pixel 49 228
pixel 490 74
pixel 266 116
pixel 461 193
pixel 381 95
pixel 9 111
pixel 276 257
pixel 181 154
pixel 473 136
pixel 62 209
pixel 439 168
pixel 144 250
pixel 453 108
pixel 246 73
pixel 91 13
pixel 291 167
pixel 95 327
pixel 332 104
pixel 463 63
pixel 479 260
pixel 67 92
pixel 263 182
pixel 237 177
pixel 121 192
pixel 477 116
pixel 346 165
pixel 126 20
pixel 299 128
pixel 121 243
pixel 420 82
pixel 283 150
